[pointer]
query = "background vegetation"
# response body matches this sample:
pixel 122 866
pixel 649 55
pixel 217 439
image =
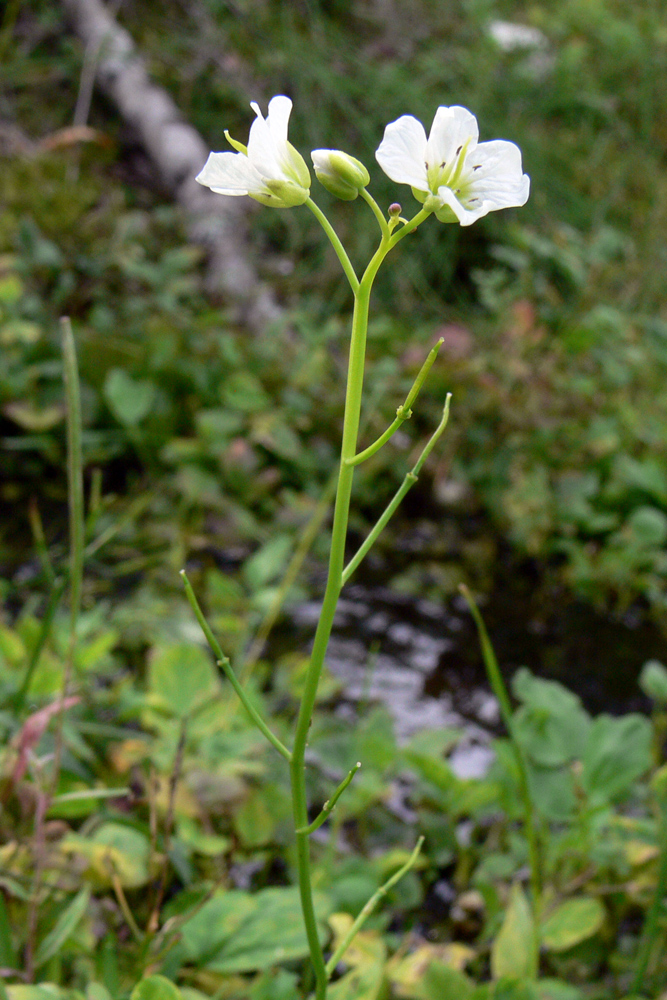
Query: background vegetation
pixel 209 446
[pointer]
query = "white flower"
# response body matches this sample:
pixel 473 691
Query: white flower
pixel 270 170
pixel 454 176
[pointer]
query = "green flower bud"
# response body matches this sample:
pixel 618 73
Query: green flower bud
pixel 340 173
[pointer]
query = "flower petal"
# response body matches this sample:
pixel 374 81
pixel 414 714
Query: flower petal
pixel 452 129
pixel 402 152
pixel 495 176
pixel 264 149
pixel 466 216
pixel 229 173
pixel 280 108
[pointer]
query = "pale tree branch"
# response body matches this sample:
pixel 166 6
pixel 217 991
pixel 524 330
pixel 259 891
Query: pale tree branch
pixel 178 153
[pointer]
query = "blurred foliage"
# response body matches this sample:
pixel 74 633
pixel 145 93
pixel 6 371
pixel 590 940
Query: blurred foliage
pixel 553 317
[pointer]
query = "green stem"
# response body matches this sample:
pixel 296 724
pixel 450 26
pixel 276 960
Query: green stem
pixel 351 419
pixel 500 691
pixel 47 621
pixel 407 484
pixel 223 661
pixel 74 469
pixel 341 253
pixel 409 227
pixel 76 524
pixel 377 211
pixel 330 804
pixel 652 922
pixel 404 412
pixel 369 907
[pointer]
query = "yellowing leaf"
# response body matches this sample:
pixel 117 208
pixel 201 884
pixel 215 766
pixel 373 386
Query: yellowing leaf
pixel 573 921
pixel 366 958
pixel 638 852
pixel 407 972
pixel 112 851
pixel 514 953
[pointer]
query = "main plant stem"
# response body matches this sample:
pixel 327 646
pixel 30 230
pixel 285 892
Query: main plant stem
pixel 355 382
pixel 351 419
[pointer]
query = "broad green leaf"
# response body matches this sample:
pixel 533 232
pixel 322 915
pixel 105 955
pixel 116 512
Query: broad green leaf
pixel 129 399
pixel 268 562
pixel 243 391
pixel 96 991
pixel 556 989
pixel 182 676
pixel 275 984
pixel 653 681
pixel 551 725
pixel 214 923
pixel 646 527
pixel 513 951
pixel 509 988
pixel 236 932
pixel 155 988
pixel 573 921
pixel 552 792
pixel 64 926
pixel 440 982
pixel 618 751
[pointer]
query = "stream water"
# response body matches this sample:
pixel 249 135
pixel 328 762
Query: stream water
pixel 422 660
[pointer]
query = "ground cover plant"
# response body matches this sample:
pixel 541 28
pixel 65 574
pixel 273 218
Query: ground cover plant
pixel 164 850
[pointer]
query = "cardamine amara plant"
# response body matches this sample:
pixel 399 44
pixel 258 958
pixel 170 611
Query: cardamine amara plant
pixel 455 178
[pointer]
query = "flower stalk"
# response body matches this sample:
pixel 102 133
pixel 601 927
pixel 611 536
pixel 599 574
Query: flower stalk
pixel 454 179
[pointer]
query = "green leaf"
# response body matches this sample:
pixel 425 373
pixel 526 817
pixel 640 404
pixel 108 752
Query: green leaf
pixel 551 725
pixel 646 528
pixel 255 822
pixel 653 681
pixel 509 988
pixel 96 991
pixel 618 751
pixel 243 391
pixel 556 989
pixel 276 984
pixel 45 991
pixel 268 562
pixel 552 792
pixel 513 951
pixel 183 677
pixel 441 982
pixel 236 932
pixel 64 927
pixel 156 988
pixel 130 400
pixel 573 921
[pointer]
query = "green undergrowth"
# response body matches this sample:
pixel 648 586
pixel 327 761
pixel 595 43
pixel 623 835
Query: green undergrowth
pixel 166 847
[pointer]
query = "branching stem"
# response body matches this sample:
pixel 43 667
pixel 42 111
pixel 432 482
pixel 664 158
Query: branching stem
pixel 223 662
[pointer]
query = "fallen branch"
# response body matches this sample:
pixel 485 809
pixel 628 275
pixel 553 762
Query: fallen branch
pixel 178 153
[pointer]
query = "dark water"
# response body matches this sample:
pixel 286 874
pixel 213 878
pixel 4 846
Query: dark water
pixel 422 660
